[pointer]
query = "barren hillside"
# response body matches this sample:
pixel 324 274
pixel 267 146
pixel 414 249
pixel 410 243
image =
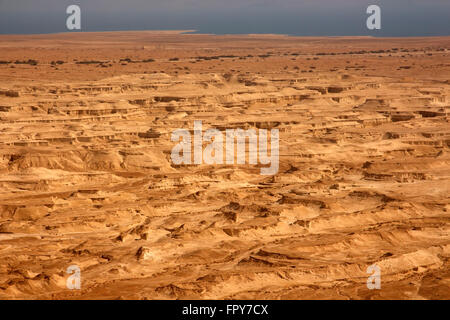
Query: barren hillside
pixel 86 176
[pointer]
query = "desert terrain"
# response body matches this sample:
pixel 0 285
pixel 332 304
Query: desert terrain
pixel 86 176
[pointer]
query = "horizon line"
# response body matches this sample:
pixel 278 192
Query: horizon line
pixel 196 32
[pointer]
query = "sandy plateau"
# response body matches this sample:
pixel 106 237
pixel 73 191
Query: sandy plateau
pixel 86 177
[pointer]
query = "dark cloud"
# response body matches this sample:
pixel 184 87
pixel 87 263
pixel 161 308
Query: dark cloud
pixel 297 17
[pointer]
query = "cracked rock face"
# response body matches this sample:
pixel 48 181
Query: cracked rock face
pixel 86 176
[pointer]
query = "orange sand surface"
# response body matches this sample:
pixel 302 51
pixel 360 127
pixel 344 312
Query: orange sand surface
pixel 86 176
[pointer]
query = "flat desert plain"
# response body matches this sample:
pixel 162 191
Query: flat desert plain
pixel 86 176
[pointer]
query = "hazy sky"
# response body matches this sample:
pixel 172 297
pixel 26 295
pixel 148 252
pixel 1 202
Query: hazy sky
pixel 296 17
